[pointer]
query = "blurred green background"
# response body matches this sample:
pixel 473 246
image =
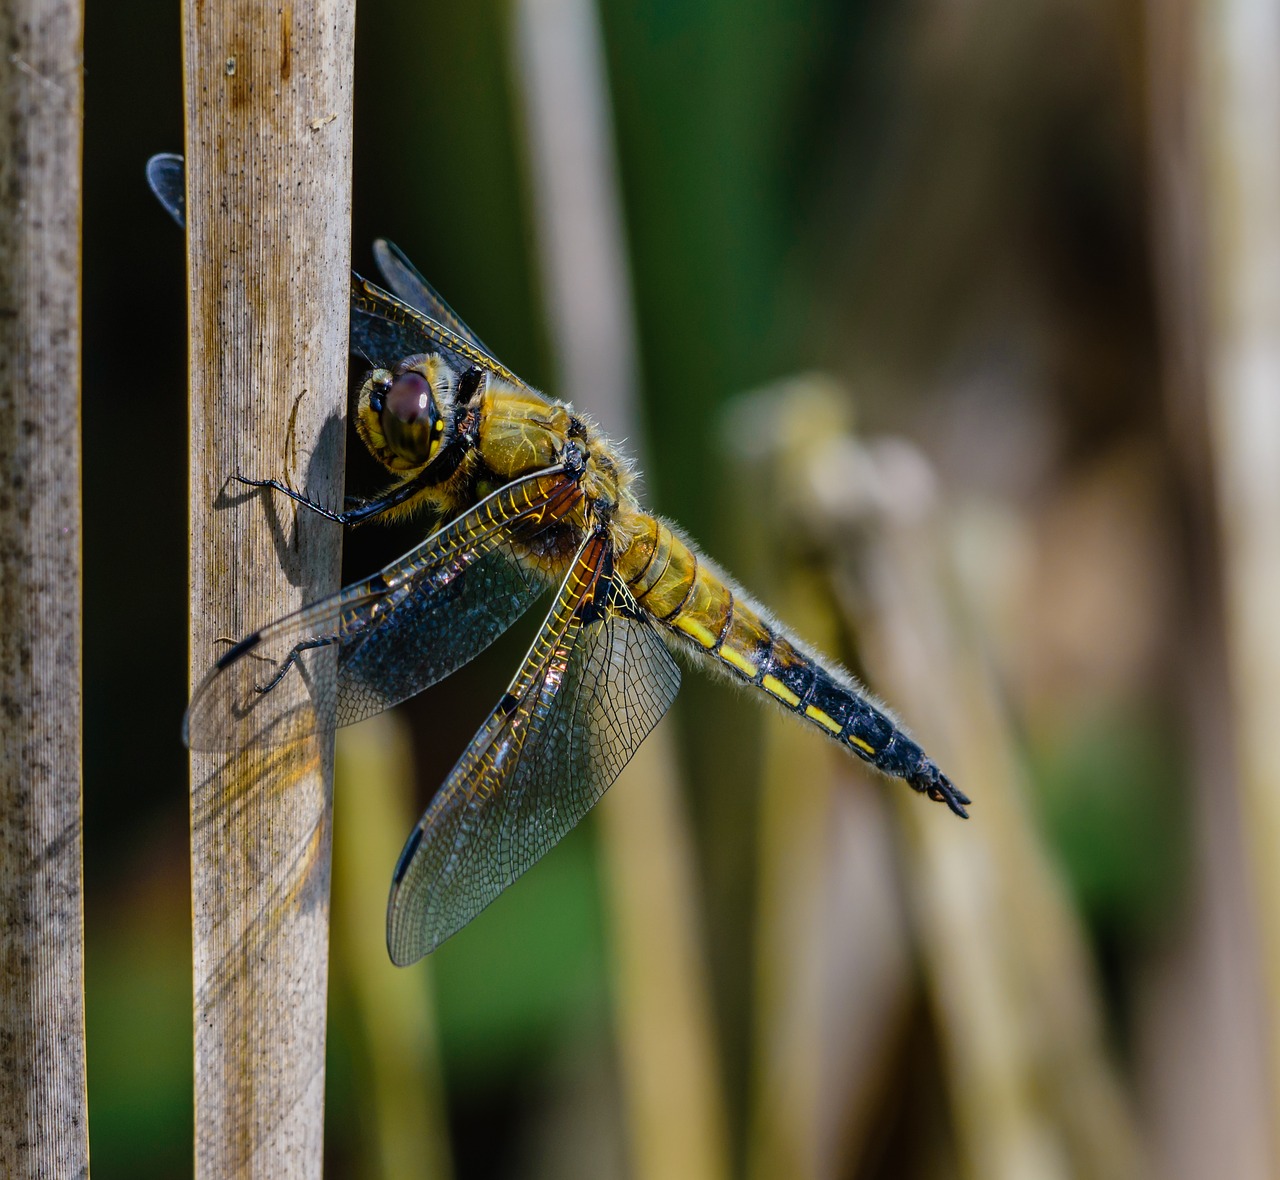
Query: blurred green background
pixel 946 206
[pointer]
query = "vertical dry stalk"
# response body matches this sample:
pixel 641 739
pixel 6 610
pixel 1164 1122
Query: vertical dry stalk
pixel 268 149
pixel 1240 119
pixel 373 782
pixel 43 1128
pixel 675 1107
pixel 1204 1081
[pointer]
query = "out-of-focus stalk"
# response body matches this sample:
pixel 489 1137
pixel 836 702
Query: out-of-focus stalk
pixel 1239 117
pixel 670 1077
pixel 833 983
pixel 43 1124
pixel 373 805
pixel 1032 1094
pixel 1202 1080
pixel 268 164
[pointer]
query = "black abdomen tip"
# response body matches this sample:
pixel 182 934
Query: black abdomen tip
pixel 941 789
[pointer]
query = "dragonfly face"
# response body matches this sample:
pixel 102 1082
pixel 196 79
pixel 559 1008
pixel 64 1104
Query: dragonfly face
pixel 530 496
pixel 404 415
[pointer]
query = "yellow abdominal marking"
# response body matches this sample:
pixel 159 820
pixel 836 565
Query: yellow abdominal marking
pixel 695 630
pixel 823 719
pixel 781 691
pixel 857 741
pixel 744 665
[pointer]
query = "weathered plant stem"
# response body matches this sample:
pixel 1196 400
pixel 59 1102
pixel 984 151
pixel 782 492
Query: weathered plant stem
pixel 998 940
pixel 268 150
pixel 43 1124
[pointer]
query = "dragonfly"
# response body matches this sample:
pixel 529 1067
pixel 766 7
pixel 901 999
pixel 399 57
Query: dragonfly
pixel 528 497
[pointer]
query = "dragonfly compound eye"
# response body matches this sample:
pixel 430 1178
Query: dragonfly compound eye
pixel 409 397
pixel 410 417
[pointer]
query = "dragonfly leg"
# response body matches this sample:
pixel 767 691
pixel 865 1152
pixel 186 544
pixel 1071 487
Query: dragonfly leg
pixel 292 658
pixel 358 511
pixel 296 497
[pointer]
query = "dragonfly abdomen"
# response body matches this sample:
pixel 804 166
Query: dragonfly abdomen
pixel 718 620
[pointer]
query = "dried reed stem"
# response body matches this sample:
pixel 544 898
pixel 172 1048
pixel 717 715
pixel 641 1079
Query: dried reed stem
pixel 268 149
pixel 1012 988
pixel 43 1128
pixel 833 982
pixel 1203 1081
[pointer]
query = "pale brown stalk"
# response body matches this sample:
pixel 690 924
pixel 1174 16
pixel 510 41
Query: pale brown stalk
pixel 43 1124
pixel 268 149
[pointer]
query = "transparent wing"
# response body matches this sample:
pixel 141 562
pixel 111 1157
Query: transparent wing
pixel 406 281
pixel 166 176
pixel 395 633
pixel 385 329
pixel 595 683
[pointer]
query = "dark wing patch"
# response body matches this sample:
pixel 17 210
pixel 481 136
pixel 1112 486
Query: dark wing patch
pixel 596 681
pixel 406 281
pixel 379 641
pixel 167 179
pixel 385 329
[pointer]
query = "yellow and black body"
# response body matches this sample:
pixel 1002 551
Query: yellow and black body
pixel 528 495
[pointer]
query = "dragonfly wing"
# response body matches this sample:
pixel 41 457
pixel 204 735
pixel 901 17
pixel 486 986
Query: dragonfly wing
pixel 443 620
pixel 380 327
pixel 167 179
pixel 386 329
pixel 406 281
pixel 595 683
pixel 379 641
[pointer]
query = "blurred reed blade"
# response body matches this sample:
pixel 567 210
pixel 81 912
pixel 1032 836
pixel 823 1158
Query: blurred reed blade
pixel 833 980
pixel 1239 115
pixel 834 985
pixel 268 155
pixel 43 1120
pixel 670 1074
pixel 374 807
pixel 1031 1096
pixel 1208 1097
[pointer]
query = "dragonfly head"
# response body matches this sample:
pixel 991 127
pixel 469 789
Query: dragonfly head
pixel 404 415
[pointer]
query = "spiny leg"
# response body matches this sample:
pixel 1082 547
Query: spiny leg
pixel 292 658
pixel 358 513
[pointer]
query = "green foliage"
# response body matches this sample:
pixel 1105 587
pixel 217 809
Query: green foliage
pixel 529 973
pixel 1112 796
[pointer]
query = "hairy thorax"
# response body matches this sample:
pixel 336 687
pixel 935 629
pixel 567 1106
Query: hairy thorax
pixel 519 434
